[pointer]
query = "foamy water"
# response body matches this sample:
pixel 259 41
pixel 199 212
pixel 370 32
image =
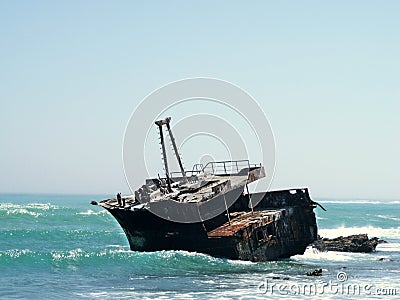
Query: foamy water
pixel 371 231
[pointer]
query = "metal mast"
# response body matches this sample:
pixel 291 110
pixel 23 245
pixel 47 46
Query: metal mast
pixel 159 124
pixel 178 158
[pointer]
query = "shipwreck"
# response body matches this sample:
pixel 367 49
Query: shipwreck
pixel 210 210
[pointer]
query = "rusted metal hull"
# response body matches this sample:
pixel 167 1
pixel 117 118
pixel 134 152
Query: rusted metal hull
pixel 282 224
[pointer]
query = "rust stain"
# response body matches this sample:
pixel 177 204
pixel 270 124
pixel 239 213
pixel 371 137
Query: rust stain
pixel 242 221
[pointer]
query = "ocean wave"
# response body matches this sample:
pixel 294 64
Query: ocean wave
pixel 389 247
pixel 23 211
pixel 388 217
pixel 391 233
pixel 180 263
pixel 90 212
pixel 198 257
pixel 69 255
pixel 15 253
pixel 314 254
pixel 38 206
pixel 30 209
pixel 216 290
pixel 53 213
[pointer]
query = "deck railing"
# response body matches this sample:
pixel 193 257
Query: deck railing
pixel 227 167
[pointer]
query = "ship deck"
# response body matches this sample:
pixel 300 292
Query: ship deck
pixel 243 220
pixel 112 203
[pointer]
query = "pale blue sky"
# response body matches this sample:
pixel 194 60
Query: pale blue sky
pixel 326 74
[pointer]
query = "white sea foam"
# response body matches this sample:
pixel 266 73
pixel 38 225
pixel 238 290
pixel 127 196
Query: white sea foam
pixel 314 254
pixel 15 253
pixel 23 211
pixel 388 217
pixel 68 255
pixel 168 254
pixel 38 206
pixel 389 247
pixel 120 251
pixel 115 246
pixel 32 209
pixel 42 206
pixel 91 212
pixel 393 233
pixel 241 262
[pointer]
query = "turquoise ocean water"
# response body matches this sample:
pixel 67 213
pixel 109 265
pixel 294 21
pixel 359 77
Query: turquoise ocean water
pixel 60 246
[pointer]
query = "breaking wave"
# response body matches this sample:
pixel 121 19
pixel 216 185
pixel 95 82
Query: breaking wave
pixel 32 209
pixel 389 247
pixel 161 262
pixel 389 233
pixel 386 217
pixel 315 255
pixel 91 212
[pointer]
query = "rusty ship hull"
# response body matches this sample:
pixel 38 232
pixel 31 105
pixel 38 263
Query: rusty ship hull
pixel 282 224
